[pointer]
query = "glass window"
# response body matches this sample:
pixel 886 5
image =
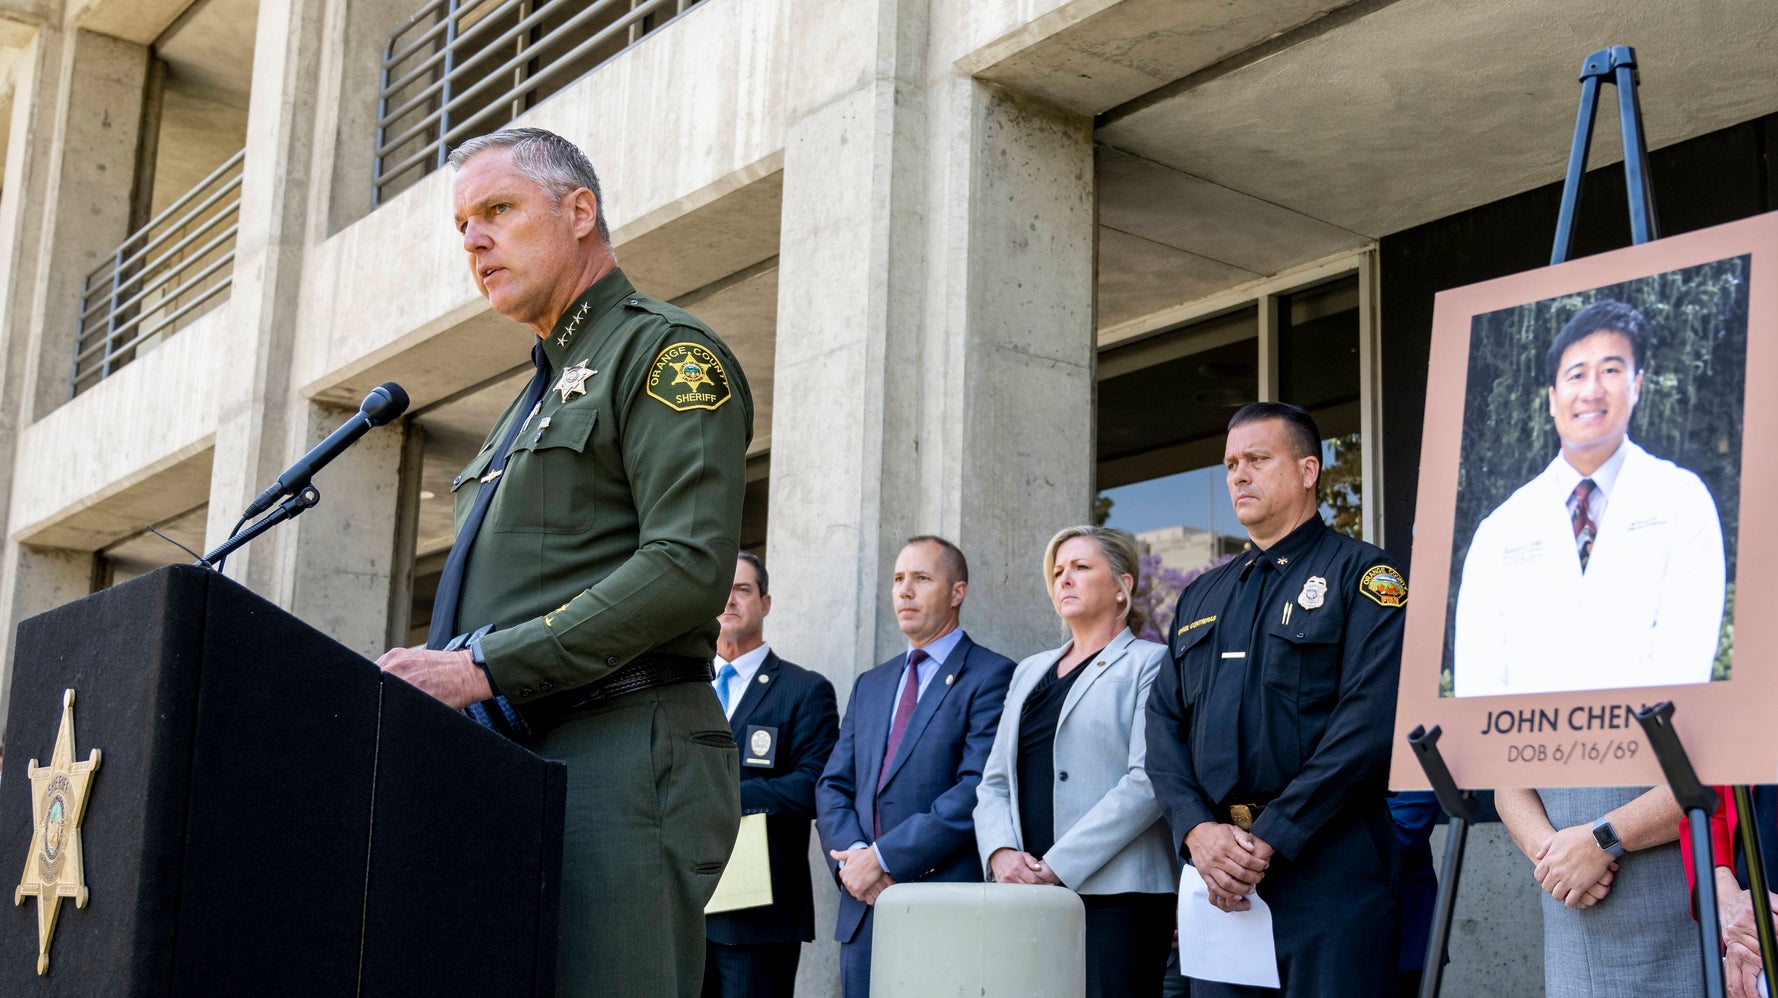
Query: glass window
pixel 1318 337
pixel 1163 409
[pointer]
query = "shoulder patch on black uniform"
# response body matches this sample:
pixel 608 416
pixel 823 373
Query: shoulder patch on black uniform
pixel 687 376
pixel 1384 585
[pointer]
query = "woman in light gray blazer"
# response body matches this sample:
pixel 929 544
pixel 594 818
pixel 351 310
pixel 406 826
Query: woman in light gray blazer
pixel 1064 799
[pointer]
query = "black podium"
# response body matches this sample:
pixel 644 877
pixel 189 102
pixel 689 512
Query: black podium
pixel 271 815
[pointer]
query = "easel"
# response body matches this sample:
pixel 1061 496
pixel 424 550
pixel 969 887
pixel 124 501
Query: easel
pixel 1610 65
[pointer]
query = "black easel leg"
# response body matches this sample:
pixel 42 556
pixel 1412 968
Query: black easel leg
pixel 1616 65
pixel 1433 975
pixel 1756 879
pixel 1636 181
pixel 1709 925
pixel 1463 807
pixel 1698 801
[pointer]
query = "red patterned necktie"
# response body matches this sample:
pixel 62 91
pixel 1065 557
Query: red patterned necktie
pixel 1584 527
pixel 904 712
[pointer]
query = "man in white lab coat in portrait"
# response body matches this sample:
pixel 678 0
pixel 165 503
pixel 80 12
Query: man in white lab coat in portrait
pixel 1606 570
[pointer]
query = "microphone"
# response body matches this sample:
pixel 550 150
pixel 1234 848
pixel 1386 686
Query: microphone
pixel 383 404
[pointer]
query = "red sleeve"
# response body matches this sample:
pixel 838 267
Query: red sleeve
pixel 1722 840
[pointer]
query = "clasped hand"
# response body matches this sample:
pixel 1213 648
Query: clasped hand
pixel 1012 866
pixel 1740 938
pixel 860 873
pixel 1573 869
pixel 1232 862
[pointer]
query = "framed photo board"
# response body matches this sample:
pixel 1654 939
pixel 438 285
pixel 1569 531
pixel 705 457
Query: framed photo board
pixel 1594 432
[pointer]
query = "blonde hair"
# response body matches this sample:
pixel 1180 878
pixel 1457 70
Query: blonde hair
pixel 1120 554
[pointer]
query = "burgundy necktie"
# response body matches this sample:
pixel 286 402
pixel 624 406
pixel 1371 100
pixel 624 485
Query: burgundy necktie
pixel 904 712
pixel 1584 528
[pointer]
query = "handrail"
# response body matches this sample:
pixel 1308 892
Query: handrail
pixel 438 79
pixel 158 276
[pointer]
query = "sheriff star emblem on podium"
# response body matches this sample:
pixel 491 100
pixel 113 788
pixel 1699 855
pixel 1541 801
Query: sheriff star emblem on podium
pixel 53 869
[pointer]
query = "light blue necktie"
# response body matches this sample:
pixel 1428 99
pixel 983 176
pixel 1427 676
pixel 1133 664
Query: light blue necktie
pixel 723 675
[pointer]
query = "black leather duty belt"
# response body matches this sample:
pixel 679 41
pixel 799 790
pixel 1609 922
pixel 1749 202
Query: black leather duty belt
pixel 643 672
pixel 1243 816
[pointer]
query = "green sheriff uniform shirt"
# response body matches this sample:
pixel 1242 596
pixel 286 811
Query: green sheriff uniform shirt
pixel 614 532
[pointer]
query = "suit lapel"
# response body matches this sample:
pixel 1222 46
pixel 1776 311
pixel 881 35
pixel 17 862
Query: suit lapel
pixel 873 727
pixel 1119 647
pixel 755 692
pixel 940 687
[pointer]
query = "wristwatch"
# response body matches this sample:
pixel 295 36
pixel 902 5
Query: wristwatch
pixel 1606 837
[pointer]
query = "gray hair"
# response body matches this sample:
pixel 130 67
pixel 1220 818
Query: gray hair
pixel 1121 555
pixel 544 158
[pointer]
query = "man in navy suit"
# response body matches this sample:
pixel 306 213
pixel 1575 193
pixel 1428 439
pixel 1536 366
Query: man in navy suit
pixel 785 720
pixel 897 800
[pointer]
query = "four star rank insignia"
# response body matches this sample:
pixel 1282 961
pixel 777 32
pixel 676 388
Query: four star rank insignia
pixel 54 869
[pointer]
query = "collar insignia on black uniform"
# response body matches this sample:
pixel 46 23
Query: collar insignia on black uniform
pixel 1283 561
pixel 573 324
pixel 1385 585
pixel 1314 592
pixel 574 380
pixel 698 380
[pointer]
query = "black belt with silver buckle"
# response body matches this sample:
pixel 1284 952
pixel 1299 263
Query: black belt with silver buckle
pixel 643 672
pixel 1243 816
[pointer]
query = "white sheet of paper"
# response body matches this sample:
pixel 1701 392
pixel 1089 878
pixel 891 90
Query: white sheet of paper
pixel 1235 947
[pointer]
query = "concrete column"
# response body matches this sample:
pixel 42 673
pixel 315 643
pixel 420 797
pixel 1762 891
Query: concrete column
pixel 341 555
pixel 349 80
pixel 71 149
pixel 260 426
pixel 91 152
pixel 934 346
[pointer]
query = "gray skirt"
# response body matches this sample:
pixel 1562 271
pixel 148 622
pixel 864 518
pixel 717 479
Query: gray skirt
pixel 1641 939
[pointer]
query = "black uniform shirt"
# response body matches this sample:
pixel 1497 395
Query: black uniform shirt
pixel 1318 692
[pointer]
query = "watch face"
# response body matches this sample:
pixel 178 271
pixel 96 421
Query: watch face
pixel 1606 836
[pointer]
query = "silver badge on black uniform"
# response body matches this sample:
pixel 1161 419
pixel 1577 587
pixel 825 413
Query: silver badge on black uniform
pixel 1314 591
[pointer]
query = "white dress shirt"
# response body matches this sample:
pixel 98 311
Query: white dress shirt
pixel 745 667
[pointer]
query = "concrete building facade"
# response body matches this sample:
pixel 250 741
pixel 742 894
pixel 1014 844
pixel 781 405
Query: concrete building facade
pixel 982 261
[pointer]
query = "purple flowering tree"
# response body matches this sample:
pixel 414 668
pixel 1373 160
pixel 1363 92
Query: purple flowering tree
pixel 1158 590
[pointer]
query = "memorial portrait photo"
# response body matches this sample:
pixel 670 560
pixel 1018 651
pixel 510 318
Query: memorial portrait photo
pixel 1593 544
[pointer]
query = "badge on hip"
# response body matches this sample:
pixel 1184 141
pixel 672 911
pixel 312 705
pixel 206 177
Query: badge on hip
pixel 762 746
pixel 687 376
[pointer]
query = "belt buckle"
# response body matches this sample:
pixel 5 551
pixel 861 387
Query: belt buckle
pixel 1242 816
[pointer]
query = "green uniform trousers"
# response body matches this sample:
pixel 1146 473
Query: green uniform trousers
pixel 653 809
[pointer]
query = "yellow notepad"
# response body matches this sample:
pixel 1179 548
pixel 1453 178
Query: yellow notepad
pixel 747 879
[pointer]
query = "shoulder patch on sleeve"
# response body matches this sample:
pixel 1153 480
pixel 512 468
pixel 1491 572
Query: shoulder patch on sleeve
pixel 687 376
pixel 1385 586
